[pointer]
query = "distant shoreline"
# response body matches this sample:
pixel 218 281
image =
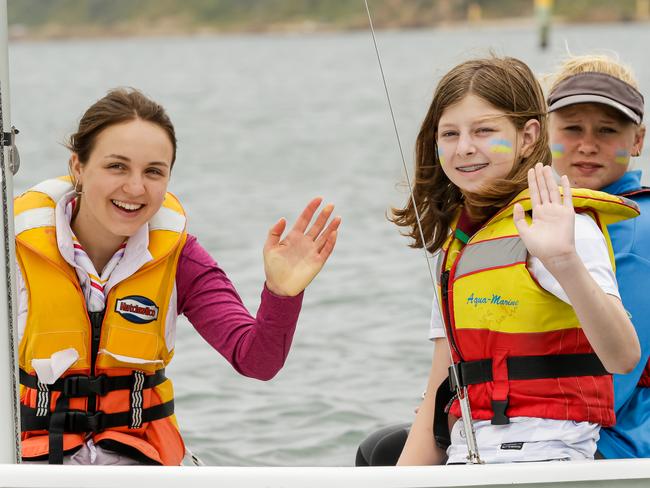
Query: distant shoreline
pixel 175 29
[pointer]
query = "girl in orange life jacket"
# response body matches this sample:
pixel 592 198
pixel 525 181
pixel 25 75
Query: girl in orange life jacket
pixel 518 303
pixel 105 265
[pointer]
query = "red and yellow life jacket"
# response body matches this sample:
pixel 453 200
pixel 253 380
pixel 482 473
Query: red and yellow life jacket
pixel 519 349
pixel 116 392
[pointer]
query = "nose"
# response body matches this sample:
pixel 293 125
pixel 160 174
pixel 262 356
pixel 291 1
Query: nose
pixel 134 185
pixel 588 144
pixel 465 146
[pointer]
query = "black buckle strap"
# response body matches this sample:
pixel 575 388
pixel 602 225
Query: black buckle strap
pixel 530 368
pixel 83 385
pixel 78 421
pixel 499 416
pixel 79 385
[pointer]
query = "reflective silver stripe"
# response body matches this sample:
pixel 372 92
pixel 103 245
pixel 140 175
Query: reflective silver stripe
pixel 167 219
pixel 136 400
pixel 439 256
pixel 43 216
pixel 30 219
pixel 42 400
pixel 491 254
pixel 53 188
pixel 630 203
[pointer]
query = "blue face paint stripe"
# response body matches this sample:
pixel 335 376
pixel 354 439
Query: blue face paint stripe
pixel 500 146
pixel 501 142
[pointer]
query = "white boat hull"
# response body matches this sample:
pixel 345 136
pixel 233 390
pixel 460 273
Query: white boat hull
pixel 627 473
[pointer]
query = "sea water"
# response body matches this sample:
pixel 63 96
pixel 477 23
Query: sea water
pixel 264 123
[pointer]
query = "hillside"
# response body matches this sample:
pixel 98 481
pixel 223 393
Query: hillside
pixel 69 18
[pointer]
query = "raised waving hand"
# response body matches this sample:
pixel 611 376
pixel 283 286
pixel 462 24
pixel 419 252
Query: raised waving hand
pixel 292 262
pixel 551 236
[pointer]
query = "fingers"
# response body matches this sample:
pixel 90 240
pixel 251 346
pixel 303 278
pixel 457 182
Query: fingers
pixel 275 233
pixel 542 185
pixel 533 188
pixel 321 220
pixel 329 246
pixel 551 184
pixel 322 241
pixel 540 178
pixel 305 217
pixel 519 217
pixel 566 189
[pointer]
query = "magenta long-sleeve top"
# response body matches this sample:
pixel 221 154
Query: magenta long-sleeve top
pixel 255 346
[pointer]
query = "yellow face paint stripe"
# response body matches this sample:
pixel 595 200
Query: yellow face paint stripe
pixel 557 151
pixel 500 146
pixel 622 156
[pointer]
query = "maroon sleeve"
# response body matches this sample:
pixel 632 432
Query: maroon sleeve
pixel 256 347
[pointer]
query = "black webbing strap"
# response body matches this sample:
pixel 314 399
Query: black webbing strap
pixel 531 368
pixel 441 434
pixel 83 385
pixel 56 428
pixel 79 421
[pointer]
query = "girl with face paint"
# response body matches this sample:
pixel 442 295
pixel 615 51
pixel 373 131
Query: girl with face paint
pixel 595 124
pixel 516 293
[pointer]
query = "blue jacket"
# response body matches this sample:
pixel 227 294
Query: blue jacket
pixel 630 437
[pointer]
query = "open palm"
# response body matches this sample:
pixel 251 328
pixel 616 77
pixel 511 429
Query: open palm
pixel 550 237
pixel 292 263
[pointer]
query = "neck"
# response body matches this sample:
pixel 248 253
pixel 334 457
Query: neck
pixel 100 246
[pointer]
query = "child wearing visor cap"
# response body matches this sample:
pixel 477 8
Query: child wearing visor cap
pixel 596 127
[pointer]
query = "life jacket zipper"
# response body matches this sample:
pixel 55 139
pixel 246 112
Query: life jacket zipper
pixel 96 319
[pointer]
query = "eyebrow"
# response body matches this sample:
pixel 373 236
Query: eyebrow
pixel 128 160
pixel 481 120
pixel 490 118
pixel 117 156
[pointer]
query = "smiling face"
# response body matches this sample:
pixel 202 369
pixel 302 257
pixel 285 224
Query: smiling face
pixel 478 144
pixel 124 182
pixel 592 144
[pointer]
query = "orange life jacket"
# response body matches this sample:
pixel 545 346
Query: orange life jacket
pixel 116 392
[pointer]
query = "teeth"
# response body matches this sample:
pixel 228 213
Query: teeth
pixel 468 169
pixel 127 206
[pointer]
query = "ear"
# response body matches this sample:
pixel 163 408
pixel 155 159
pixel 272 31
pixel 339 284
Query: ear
pixel 75 167
pixel 638 141
pixel 529 137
